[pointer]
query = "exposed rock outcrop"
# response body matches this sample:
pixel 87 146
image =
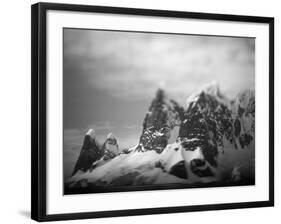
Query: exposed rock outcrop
pixel 90 153
pixel 162 117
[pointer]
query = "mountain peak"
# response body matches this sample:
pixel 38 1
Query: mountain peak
pixel 162 117
pixel 90 152
pixel 160 95
pixel 212 89
pixel 110 136
pixel 91 132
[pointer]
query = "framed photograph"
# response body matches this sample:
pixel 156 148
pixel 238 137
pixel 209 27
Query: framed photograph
pixel 141 111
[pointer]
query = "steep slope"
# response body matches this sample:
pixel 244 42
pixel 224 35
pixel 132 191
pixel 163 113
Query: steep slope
pixel 160 122
pixel 90 153
pixel 136 168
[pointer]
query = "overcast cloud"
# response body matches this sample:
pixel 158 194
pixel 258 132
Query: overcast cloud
pixel 125 64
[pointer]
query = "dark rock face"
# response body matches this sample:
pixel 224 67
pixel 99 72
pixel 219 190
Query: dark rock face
pixel 163 115
pixel 198 167
pixel 179 170
pixel 110 147
pixel 153 139
pixel 206 122
pixel 237 127
pixel 89 154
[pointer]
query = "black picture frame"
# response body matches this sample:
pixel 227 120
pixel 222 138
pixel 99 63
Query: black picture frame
pixel 39 107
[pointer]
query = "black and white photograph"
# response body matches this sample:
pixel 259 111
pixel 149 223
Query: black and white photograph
pixel 143 111
pixel 157 111
pixel 140 112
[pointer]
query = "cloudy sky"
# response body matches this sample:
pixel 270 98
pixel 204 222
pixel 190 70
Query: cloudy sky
pixel 111 77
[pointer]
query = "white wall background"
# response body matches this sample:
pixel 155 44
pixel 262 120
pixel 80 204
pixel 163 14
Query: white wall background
pixel 15 110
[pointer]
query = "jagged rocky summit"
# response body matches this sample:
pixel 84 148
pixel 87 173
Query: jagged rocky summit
pixel 209 140
pixel 162 118
pixel 210 122
pixel 92 152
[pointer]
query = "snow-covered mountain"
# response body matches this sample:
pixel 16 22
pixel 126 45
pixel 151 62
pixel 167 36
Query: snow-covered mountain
pixel 209 140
